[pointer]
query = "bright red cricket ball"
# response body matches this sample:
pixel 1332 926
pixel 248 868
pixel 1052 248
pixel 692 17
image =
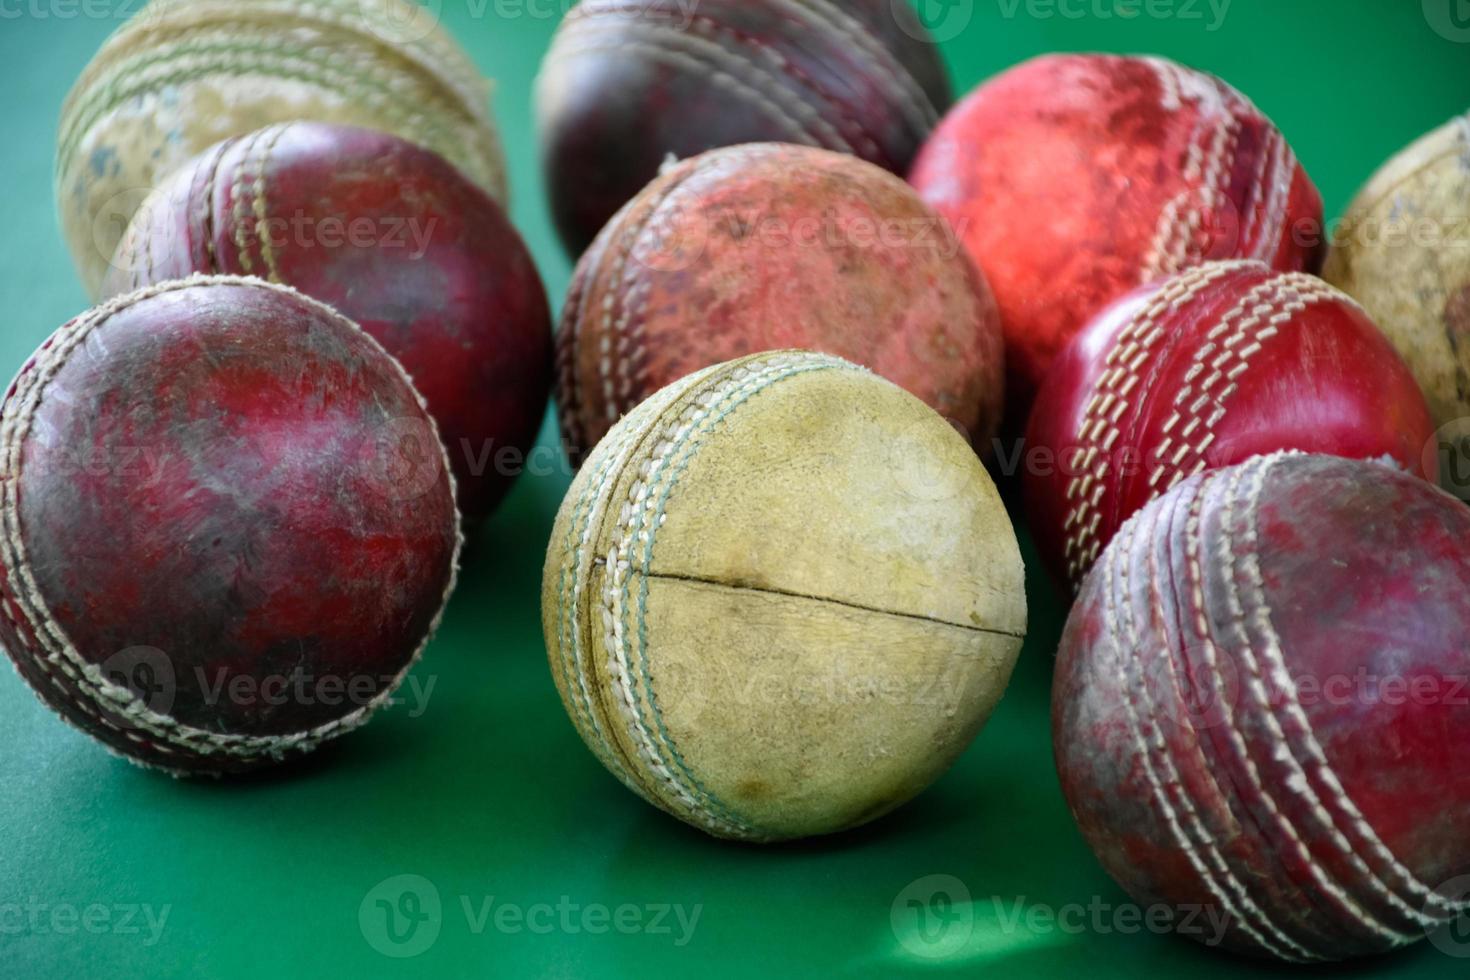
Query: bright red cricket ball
pixel 1262 703
pixel 227 526
pixel 1073 179
pixel 771 246
pixel 627 85
pixel 1202 370
pixel 397 239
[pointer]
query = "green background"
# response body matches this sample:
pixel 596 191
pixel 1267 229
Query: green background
pixel 489 793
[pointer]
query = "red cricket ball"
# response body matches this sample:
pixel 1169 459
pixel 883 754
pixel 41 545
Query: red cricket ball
pixel 1262 704
pixel 397 239
pixel 227 526
pixel 629 83
pixel 771 246
pixel 1075 178
pixel 1202 370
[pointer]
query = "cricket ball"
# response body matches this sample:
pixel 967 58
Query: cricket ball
pixel 627 85
pixel 748 614
pixel 769 246
pixel 1073 179
pixel 1403 251
pixel 1260 706
pixel 1202 370
pixel 184 74
pixel 392 236
pixel 227 527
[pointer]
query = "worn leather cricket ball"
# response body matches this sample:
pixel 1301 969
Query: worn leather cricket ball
pixel 1260 706
pixel 227 527
pixel 781 597
pixel 767 246
pixel 182 75
pixel 1202 370
pixel 395 238
pixel 1403 251
pixel 1073 179
pixel 627 85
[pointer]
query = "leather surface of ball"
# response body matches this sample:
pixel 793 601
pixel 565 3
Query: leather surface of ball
pixel 627 85
pixel 182 75
pixel 1074 179
pixel 1217 364
pixel 395 238
pixel 770 246
pixel 227 527
pixel 749 613
pixel 1259 708
pixel 1403 251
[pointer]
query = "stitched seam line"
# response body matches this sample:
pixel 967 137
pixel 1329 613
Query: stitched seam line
pixel 1100 429
pixel 1290 713
pixel 684 435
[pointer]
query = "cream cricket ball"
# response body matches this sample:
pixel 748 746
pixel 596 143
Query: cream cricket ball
pixel 1403 251
pixel 184 74
pixel 227 526
pixel 781 597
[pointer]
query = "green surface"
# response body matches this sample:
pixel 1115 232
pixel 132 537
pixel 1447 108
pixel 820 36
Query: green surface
pixel 488 795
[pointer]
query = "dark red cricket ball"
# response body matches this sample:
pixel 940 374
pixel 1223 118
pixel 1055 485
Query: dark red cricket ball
pixel 630 83
pixel 227 526
pixel 397 239
pixel 1262 704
